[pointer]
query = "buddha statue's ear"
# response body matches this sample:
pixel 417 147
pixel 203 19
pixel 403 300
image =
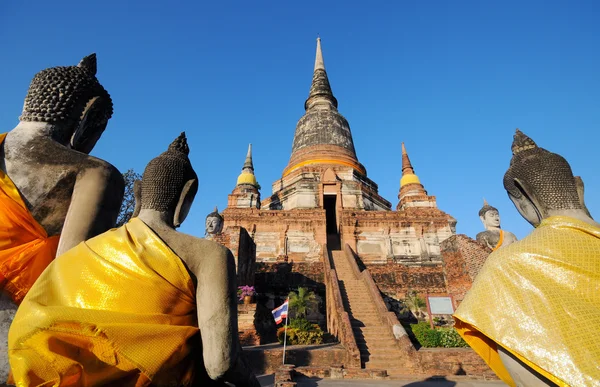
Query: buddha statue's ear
pixel 185 201
pixel 527 203
pixel 580 191
pixel 482 219
pixel 91 126
pixel 137 196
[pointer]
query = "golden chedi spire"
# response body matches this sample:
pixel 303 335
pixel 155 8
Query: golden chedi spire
pixel 412 193
pixel 408 172
pixel 247 176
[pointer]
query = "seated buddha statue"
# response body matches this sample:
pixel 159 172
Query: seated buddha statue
pixel 532 311
pixel 154 306
pixel 493 236
pixel 53 194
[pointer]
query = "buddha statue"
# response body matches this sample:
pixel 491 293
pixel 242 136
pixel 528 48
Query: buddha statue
pixel 493 236
pixel 214 223
pixel 532 309
pixel 155 307
pixel 53 194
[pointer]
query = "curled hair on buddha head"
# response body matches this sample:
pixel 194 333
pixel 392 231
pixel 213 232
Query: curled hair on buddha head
pixel 545 177
pixel 486 207
pixel 64 94
pixel 166 176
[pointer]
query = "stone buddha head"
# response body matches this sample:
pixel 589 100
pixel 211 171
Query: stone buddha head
pixel 169 184
pixel 72 101
pixel 490 217
pixel 541 184
pixel 214 223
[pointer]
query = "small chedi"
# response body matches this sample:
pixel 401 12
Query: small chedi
pixel 53 195
pixel 493 236
pixel 541 295
pixel 115 328
pixel 214 223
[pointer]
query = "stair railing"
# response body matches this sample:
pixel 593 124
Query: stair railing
pixel 386 317
pixel 338 320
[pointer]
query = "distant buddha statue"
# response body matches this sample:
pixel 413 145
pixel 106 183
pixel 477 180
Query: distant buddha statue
pixel 493 236
pixel 214 223
pixel 53 195
pixel 533 309
pixel 138 305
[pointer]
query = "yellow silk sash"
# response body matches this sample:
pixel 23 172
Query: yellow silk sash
pixel 539 298
pixel 118 309
pixel 25 248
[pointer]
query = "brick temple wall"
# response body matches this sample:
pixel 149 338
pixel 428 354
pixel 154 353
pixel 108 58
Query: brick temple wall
pixel 463 257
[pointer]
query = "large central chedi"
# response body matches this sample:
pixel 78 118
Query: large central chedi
pixel 323 140
pixel 324 214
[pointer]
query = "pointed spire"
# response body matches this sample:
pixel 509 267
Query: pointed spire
pixel 485 203
pixel 248 163
pixel 407 168
pixel 319 64
pixel 320 91
pixel 247 175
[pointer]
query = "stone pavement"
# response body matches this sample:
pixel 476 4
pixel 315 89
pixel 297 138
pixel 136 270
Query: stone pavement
pixel 268 381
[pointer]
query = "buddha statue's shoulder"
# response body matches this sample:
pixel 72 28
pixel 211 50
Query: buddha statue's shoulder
pixel 192 249
pixel 484 236
pixel 48 154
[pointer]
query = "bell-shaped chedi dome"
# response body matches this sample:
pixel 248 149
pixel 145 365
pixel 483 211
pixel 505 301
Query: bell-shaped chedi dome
pixel 322 135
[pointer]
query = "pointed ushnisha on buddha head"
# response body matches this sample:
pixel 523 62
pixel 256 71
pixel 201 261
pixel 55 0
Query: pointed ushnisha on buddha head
pixel 72 99
pixel 166 178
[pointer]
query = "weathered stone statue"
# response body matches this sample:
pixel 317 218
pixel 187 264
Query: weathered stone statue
pixel 53 195
pixel 537 299
pixel 155 305
pixel 493 236
pixel 214 223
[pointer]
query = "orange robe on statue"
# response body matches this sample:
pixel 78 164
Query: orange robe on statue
pixel 25 248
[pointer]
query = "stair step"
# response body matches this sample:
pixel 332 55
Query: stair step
pixel 389 348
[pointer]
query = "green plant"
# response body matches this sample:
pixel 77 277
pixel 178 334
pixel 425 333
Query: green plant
pixel 303 302
pixel 310 337
pixel 449 338
pixel 440 337
pixel 301 332
pixel 426 336
pixel 414 303
pixel 301 324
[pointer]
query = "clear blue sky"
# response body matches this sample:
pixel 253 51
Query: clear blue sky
pixel 452 79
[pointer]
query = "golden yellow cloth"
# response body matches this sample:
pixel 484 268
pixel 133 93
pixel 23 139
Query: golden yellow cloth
pixel 539 298
pixel 118 309
pixel 25 248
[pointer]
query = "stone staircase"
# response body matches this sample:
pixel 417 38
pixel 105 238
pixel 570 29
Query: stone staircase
pixel 377 345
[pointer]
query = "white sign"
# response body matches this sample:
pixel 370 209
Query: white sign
pixel 441 305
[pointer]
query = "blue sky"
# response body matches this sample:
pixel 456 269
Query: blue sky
pixel 451 79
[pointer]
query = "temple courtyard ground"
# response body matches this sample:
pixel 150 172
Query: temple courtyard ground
pixel 268 381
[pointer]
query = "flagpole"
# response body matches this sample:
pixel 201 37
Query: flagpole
pixel 285 330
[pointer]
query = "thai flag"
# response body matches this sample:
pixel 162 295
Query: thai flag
pixel 280 312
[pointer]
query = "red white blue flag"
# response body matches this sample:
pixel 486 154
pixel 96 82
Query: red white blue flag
pixel 280 312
